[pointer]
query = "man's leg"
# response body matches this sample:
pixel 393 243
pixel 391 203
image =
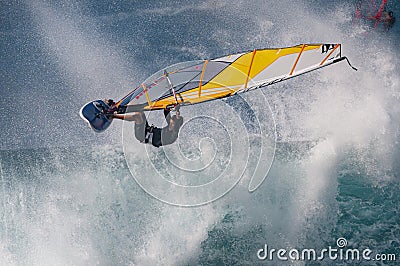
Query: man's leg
pixel 138 117
pixel 141 126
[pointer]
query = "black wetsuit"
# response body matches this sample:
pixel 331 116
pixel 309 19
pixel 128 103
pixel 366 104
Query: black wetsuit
pixel 158 136
pixel 389 23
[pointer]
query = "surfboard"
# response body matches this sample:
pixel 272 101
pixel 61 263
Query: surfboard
pixel 94 114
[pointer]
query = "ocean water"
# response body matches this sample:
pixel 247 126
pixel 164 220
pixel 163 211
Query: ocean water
pixel 327 142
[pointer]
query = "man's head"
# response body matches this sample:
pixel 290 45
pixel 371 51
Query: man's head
pixel 390 13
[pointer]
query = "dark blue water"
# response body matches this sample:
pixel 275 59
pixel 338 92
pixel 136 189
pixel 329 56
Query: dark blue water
pixel 68 195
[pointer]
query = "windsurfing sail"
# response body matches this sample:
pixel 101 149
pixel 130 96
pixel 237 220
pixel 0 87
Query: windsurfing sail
pixel 199 81
pixel 204 80
pixel 370 11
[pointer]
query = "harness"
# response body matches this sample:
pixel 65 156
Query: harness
pixel 149 135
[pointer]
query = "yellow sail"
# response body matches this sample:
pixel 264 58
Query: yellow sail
pixel 199 81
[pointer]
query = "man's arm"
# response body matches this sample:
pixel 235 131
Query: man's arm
pixel 178 114
pixel 179 119
pixel 166 114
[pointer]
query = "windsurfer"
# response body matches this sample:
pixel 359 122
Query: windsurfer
pixel 388 20
pixel 368 9
pixel 151 134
